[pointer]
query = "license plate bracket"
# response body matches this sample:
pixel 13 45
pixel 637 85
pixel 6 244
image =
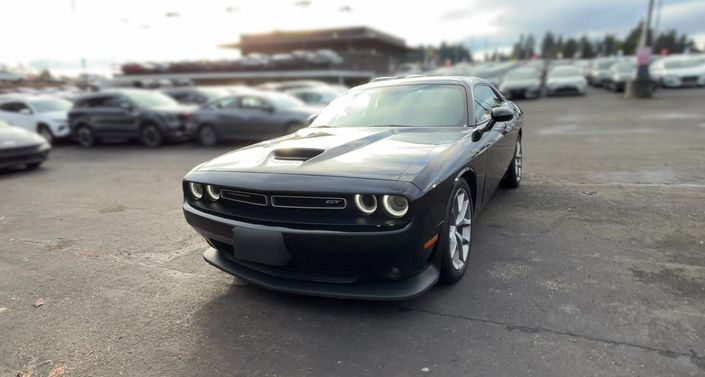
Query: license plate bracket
pixel 260 246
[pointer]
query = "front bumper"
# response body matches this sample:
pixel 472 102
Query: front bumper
pixel 375 265
pixel 21 157
pixel 565 89
pixel 181 131
pixel 683 81
pixel 384 291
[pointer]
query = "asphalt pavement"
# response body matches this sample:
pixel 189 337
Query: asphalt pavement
pixel 594 267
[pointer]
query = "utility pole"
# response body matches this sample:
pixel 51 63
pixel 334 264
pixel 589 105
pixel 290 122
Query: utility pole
pixel 642 86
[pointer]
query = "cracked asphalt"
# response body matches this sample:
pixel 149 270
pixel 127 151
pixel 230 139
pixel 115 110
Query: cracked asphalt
pixel 594 267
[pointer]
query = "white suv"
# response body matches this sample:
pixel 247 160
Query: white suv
pixel 44 115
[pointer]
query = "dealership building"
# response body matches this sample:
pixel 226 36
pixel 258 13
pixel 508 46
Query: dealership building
pixel 365 52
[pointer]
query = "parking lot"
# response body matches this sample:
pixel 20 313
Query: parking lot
pixel 594 267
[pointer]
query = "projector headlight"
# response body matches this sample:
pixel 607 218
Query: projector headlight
pixel 212 193
pixel 196 190
pixel 367 204
pixel 395 205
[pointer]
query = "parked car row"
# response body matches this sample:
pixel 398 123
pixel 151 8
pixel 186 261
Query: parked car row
pixel 298 59
pixel 674 71
pixel 153 117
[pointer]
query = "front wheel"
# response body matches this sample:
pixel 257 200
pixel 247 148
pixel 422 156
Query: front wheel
pixel 151 136
pixel 46 133
pixel 456 234
pixel 512 178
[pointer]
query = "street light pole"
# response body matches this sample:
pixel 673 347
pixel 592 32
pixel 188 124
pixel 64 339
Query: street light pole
pixel 641 87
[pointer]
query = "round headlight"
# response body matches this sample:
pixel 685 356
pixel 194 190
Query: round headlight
pixel 367 204
pixel 196 190
pixel 395 205
pixel 212 192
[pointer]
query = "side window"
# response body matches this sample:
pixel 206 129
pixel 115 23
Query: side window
pixel 23 108
pixel 227 103
pixel 114 102
pixel 252 103
pixel 9 107
pixel 485 100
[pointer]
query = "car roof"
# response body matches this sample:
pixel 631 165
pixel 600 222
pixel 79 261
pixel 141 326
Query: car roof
pixel 423 80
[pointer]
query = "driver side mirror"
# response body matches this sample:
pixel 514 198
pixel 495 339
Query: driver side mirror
pixel 25 111
pixel 501 114
pixel 497 114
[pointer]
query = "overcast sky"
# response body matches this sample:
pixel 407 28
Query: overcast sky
pixel 120 30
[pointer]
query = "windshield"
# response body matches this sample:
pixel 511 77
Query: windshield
pixel 565 72
pixel 684 63
pixel 46 105
pixel 524 74
pixel 404 106
pixel 150 99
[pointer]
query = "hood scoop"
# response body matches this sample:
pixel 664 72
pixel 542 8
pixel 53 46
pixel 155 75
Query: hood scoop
pixel 297 154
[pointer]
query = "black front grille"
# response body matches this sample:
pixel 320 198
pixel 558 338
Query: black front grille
pixel 308 202
pixel 244 197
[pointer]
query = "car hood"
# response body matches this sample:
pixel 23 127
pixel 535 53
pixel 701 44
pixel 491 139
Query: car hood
pixel 373 153
pixel 13 137
pixel 565 80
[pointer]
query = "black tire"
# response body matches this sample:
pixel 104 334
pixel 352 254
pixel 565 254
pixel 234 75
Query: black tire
pixel 85 136
pixel 44 131
pixel 512 177
pixel 207 136
pixel 151 135
pixel 452 268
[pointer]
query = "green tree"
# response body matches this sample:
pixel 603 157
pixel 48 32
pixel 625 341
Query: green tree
pixel 587 50
pixel 547 45
pixel 570 48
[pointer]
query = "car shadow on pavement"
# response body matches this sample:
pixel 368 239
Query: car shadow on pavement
pixel 247 328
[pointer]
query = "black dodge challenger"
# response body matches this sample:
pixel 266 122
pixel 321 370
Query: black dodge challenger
pixel 374 200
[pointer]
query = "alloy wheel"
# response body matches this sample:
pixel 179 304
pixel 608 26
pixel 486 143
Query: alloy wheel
pixel 151 136
pixel 518 160
pixel 460 230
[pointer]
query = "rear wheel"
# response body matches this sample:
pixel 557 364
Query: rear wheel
pixel 207 136
pixel 151 136
pixel 456 233
pixel 85 136
pixel 44 131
